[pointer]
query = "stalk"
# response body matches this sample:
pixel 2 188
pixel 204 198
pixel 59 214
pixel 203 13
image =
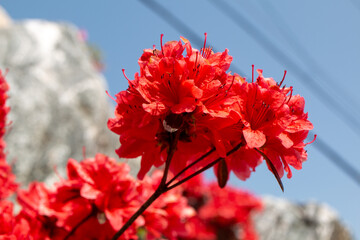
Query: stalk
pixel 174 138
pixel 203 169
pixel 165 186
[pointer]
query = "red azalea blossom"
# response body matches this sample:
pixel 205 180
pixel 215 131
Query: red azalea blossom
pixel 283 123
pixel 174 92
pixel 229 208
pixel 192 96
pixel 96 200
pixel 222 213
pixel 36 210
pixel 98 197
pixel 12 228
pixel 168 215
pixel 272 125
pixel 7 178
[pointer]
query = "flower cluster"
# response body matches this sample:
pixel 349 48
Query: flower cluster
pixel 99 196
pixel 7 179
pixel 9 227
pixel 192 98
pixel 221 213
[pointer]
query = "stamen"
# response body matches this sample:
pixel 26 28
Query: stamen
pixel 129 81
pixel 260 115
pixel 161 43
pixel 312 140
pixel 252 79
pixel 232 82
pixel 205 40
pixel 84 152
pixel 207 52
pixel 110 95
pixel 291 92
pixel 57 173
pixel 154 50
pixel 196 59
pixel 283 78
pixel 256 91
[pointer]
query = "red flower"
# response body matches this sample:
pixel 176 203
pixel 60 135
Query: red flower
pixel 168 215
pixel 37 211
pixel 263 112
pixel 97 199
pixel 225 213
pixel 272 125
pixel 12 228
pixel 173 93
pixel 192 96
pixel 7 178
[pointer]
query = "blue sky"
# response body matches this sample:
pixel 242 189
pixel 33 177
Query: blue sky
pixel 327 31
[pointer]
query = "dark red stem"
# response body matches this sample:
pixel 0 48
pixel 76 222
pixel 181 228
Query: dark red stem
pixel 174 138
pixel 190 165
pixel 203 169
pixel 164 186
pixel 80 223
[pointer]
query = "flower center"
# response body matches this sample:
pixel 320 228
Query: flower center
pixel 173 122
pixel 259 115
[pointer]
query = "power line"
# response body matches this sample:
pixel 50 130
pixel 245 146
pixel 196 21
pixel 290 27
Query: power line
pixel 312 64
pixel 325 149
pixel 325 97
pixel 338 160
pixel 180 26
pixel 284 59
pixel 306 58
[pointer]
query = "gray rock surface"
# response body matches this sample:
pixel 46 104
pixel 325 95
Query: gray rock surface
pixel 5 20
pixel 283 220
pixel 57 99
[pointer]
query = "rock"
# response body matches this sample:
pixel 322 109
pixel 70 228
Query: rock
pixel 283 220
pixel 5 20
pixel 57 99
